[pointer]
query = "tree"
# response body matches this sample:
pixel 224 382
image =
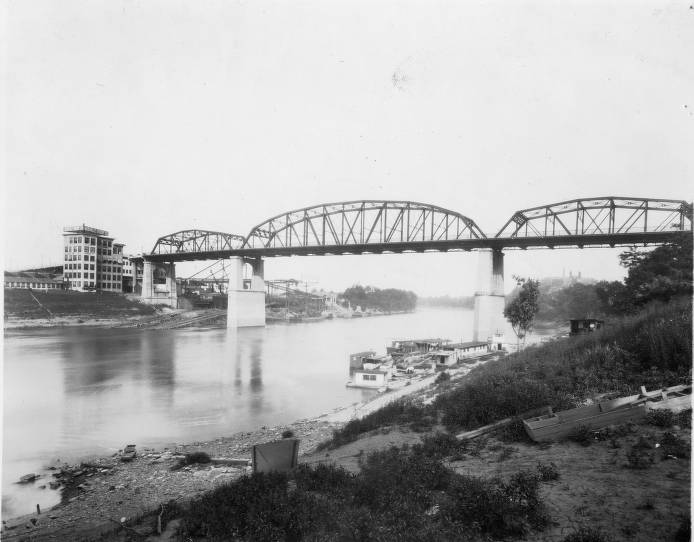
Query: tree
pixel 522 309
pixel 660 274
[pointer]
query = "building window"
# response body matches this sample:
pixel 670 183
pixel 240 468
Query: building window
pixel 369 377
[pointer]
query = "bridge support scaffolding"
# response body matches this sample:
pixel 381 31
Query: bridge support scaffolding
pixel 246 298
pixel 489 322
pixel 159 284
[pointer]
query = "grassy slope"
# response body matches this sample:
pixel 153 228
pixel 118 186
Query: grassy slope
pixel 20 304
pixel 653 349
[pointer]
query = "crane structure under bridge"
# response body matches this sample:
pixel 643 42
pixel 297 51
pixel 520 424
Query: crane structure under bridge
pixel 394 227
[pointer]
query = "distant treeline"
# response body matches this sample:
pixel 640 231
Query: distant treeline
pixel 448 301
pixel 656 276
pixel 387 300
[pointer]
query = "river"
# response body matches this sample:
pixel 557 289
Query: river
pixel 73 392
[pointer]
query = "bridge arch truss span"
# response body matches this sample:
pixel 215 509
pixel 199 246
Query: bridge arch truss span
pixel 608 216
pixel 370 223
pixel 196 242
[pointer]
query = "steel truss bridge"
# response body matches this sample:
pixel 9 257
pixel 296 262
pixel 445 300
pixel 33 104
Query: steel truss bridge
pixel 378 227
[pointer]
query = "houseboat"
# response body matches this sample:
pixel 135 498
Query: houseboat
pixel 370 378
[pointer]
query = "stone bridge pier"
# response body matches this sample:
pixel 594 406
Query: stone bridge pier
pixel 246 297
pixel 489 321
pixel 159 284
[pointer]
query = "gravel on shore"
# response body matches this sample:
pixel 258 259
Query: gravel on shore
pixel 97 495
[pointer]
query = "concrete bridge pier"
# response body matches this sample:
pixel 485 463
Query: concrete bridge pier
pixel 159 284
pixel 246 297
pixel 489 321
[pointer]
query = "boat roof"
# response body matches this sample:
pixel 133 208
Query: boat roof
pixel 468 344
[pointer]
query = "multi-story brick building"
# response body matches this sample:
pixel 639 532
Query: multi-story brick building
pixel 92 260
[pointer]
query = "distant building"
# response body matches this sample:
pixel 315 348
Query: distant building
pixel 92 260
pixel 133 267
pixel 34 279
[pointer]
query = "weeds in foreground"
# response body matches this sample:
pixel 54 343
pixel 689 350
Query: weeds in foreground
pixel 403 412
pixel 582 435
pixel 674 446
pixel 661 418
pixel 587 534
pixel 547 471
pixel 639 458
pixel 399 494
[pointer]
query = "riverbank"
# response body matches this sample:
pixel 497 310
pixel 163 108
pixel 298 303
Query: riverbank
pixel 99 491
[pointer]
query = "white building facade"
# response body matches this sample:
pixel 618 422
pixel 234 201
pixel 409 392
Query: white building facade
pixel 92 260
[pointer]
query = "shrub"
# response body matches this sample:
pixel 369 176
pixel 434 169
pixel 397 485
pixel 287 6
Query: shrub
pixel 443 377
pixel 547 471
pixel 684 418
pixel 587 534
pixel 400 494
pixel 440 445
pixel 491 398
pixel 582 435
pixel 323 478
pixel 397 412
pixel 288 433
pixel 661 418
pixel 497 509
pixel 672 445
pixel 639 458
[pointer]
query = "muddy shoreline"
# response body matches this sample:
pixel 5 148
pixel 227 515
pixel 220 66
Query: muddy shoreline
pixel 98 492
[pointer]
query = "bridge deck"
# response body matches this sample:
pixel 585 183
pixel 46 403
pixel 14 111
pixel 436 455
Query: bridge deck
pixel 555 241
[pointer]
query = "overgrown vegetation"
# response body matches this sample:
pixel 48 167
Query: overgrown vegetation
pixel 399 494
pixel 402 412
pixel 21 304
pixel 587 534
pixel 653 348
pixel 657 275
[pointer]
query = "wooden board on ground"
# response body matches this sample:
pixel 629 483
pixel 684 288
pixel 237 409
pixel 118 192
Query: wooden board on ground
pixel 279 456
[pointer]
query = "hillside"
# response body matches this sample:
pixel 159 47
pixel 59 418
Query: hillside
pixel 400 474
pixel 60 303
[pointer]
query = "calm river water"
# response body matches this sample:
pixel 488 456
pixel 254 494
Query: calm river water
pixel 71 392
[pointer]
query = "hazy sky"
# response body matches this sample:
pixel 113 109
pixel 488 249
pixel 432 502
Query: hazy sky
pixel 148 117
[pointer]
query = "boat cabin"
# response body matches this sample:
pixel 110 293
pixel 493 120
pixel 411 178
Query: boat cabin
pixel 585 325
pixel 356 361
pixel 444 358
pixel 468 349
pixel 370 378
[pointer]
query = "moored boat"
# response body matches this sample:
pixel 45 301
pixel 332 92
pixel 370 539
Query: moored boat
pixel 555 426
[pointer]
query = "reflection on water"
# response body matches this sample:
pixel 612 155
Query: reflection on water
pixel 71 393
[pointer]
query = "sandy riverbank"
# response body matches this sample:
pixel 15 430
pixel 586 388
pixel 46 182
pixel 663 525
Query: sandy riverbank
pixel 103 490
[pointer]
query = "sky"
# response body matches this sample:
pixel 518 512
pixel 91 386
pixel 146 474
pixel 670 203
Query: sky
pixel 149 117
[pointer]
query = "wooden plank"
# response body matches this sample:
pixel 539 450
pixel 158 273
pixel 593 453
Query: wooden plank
pixel 501 423
pixel 482 430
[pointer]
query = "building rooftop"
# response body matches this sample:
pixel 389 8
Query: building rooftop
pixel 27 276
pixel 84 229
